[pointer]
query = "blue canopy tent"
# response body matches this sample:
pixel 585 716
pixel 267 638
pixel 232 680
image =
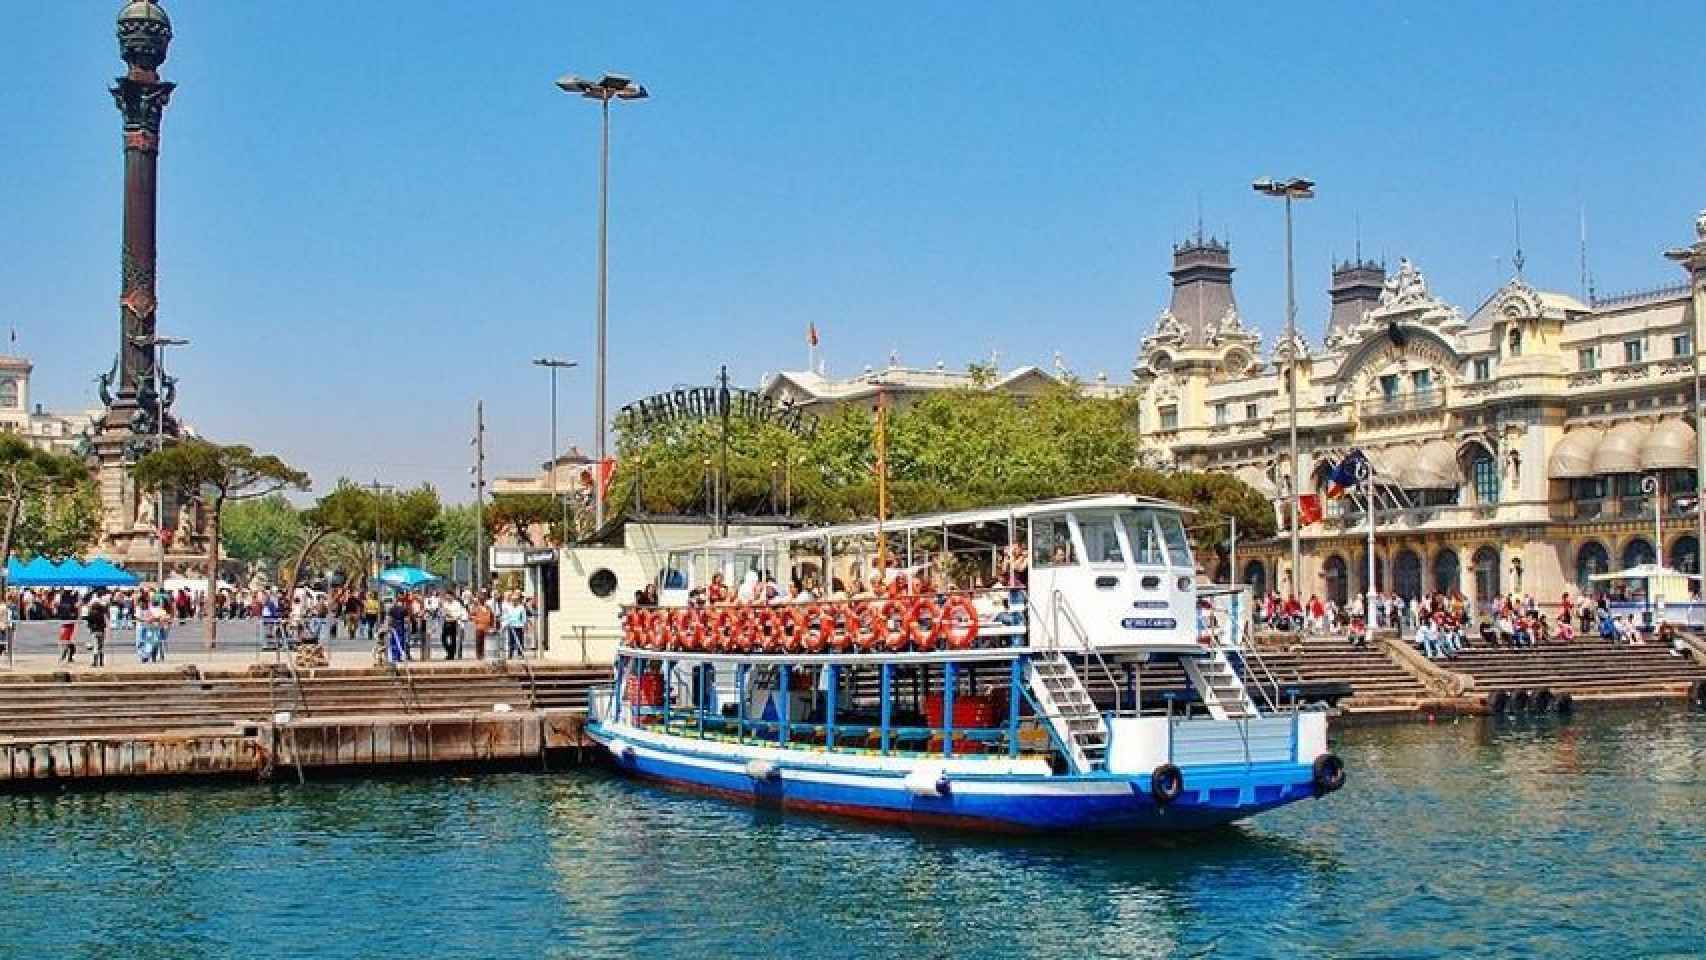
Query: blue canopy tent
pixel 406 578
pixel 41 572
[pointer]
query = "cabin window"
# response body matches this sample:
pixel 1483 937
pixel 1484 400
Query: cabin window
pixel 602 583
pixel 1178 545
pixel 1053 543
pixel 1145 539
pixel 1101 541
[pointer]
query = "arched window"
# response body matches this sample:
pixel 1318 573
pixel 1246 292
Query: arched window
pixel 1685 555
pixel 1407 574
pixel 1637 552
pixel 1486 563
pixel 1484 475
pixel 1361 574
pixel 1515 341
pixel 1591 559
pixel 1446 575
pixel 8 393
pixel 1338 586
pixel 1256 575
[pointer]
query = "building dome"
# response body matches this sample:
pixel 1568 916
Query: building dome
pixel 144 33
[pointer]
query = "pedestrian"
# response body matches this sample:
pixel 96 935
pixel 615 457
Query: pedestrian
pixel 6 627
pixel 515 626
pixel 398 618
pixel 484 621
pixel 68 640
pixel 96 618
pixel 452 614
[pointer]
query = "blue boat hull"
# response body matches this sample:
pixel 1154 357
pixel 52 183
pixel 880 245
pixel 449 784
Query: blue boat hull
pixel 1212 796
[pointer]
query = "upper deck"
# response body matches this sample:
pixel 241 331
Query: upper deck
pixel 1103 572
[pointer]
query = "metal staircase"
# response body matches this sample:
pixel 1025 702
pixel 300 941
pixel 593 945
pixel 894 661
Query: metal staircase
pixel 1062 699
pixel 1217 683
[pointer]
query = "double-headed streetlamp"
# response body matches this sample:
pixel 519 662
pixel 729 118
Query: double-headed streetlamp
pixel 553 364
pixel 611 86
pixel 159 345
pixel 1296 188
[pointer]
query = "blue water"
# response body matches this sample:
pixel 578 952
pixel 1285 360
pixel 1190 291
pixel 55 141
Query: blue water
pixel 1584 838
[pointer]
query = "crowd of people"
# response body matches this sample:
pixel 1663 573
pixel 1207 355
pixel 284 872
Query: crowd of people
pixel 1441 624
pixel 400 627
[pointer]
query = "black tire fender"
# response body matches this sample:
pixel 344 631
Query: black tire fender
pixel 1166 783
pixel 1328 773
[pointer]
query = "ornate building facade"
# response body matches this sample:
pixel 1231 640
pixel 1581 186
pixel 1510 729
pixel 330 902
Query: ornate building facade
pixel 1510 445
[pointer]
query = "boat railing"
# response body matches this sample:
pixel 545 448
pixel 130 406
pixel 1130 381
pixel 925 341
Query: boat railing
pixel 905 621
pixel 1064 606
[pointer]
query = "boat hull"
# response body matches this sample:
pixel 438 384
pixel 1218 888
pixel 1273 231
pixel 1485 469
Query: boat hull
pixel 1212 796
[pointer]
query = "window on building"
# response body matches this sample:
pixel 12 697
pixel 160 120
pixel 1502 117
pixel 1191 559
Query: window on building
pixel 1682 345
pixel 1483 368
pixel 1514 342
pixel 1169 418
pixel 1249 411
pixel 1421 380
pixel 8 393
pixel 1587 358
pixel 1389 385
pixel 1220 415
pixel 1633 351
pixel 1484 473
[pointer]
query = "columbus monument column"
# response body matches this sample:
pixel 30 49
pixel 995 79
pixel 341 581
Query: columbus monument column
pixel 130 427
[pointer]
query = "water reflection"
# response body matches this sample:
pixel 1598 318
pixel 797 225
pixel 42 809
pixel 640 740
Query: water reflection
pixel 1574 837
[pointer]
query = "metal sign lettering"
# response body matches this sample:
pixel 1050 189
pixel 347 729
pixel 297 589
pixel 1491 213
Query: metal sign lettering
pixel 701 403
pixel 1149 623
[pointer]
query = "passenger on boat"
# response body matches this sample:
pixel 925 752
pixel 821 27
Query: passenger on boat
pixel 751 588
pixel 718 591
pixel 837 590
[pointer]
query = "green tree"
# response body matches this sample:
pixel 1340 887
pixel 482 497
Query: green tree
pixel 264 532
pixel 222 474
pixel 516 512
pixel 454 532
pixel 27 473
pixel 60 522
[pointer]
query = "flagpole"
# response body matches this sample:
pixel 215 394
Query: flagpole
pixel 1365 473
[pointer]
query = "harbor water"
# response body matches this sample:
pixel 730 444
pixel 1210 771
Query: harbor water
pixel 1556 838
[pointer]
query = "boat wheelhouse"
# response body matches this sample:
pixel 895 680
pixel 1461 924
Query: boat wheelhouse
pixel 1037 667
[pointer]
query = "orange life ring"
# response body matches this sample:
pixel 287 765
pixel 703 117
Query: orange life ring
pixel 723 629
pixel 923 637
pixel 637 628
pixel 743 632
pixel 696 624
pixel 896 640
pixel 867 629
pixel 681 629
pixel 839 627
pixel 896 587
pixel 768 630
pixel 814 626
pixel 959 612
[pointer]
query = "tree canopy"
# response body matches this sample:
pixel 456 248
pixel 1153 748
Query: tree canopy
pixel 948 450
pixel 50 502
pixel 220 474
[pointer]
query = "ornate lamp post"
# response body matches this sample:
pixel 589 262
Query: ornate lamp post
pixel 1296 188
pixel 611 86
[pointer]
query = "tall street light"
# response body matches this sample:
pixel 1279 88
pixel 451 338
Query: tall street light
pixel 553 364
pixel 611 86
pixel 159 344
pixel 1296 188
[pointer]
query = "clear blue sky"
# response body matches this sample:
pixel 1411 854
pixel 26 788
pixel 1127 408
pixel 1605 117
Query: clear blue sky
pixel 373 213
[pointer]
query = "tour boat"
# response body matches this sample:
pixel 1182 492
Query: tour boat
pixel 1081 693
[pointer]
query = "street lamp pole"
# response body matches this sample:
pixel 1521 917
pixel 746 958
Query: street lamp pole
pixel 1296 188
pixel 1693 259
pixel 553 364
pixel 160 344
pixel 611 86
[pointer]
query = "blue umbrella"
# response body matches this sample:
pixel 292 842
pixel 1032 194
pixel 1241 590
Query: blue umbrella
pixel 405 578
pixel 102 572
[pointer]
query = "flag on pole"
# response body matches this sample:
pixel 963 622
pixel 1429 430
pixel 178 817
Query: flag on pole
pixel 811 334
pixel 1346 475
pixel 1308 509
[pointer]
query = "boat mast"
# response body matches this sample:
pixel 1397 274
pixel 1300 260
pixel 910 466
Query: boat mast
pixel 882 438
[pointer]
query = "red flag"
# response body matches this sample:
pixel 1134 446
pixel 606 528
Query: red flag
pixel 1308 509
pixel 811 334
pixel 606 470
